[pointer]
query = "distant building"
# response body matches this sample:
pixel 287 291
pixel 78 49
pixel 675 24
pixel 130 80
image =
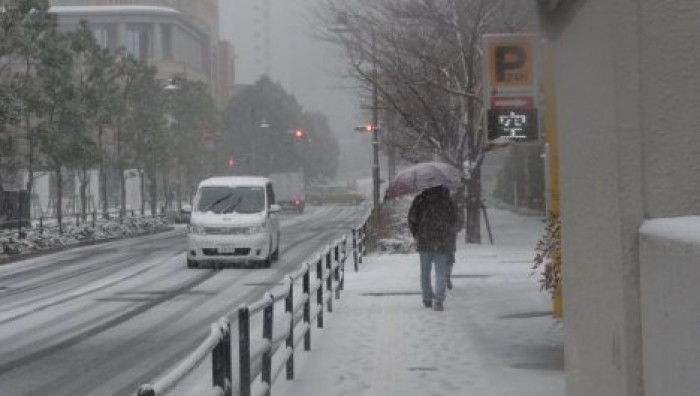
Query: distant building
pixel 227 72
pixel 177 36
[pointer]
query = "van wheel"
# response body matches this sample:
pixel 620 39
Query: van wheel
pixel 266 263
pixel 276 253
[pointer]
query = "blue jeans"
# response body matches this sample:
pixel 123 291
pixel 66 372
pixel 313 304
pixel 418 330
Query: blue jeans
pixel 427 259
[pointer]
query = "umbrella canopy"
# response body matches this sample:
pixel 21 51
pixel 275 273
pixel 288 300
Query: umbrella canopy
pixel 421 176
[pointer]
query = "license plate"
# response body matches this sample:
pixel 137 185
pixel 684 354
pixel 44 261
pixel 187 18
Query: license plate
pixel 226 249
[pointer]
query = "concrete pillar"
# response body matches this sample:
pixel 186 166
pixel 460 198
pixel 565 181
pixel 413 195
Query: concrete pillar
pixel 157 42
pixel 121 35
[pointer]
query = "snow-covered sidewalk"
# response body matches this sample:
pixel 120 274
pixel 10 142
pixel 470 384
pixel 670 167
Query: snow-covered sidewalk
pixel 495 337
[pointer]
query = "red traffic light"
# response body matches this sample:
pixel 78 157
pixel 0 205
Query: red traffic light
pixel 298 134
pixel 231 162
pixel 366 128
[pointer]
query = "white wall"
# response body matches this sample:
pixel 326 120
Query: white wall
pixel 599 125
pixel 41 189
pixel 670 254
pixel 133 189
pixel 627 97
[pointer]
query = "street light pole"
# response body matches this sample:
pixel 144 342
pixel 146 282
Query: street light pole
pixel 253 137
pixel 343 20
pixel 375 132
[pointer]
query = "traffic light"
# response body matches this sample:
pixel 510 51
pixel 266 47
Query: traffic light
pixel 298 134
pixel 231 162
pixel 365 128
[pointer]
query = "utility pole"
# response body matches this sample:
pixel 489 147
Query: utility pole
pixel 253 137
pixel 375 132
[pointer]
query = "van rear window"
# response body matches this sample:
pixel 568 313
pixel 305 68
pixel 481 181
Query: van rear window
pixel 222 199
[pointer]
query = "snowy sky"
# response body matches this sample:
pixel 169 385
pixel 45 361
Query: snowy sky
pixel 306 67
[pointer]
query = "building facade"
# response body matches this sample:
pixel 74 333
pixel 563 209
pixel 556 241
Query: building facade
pixel 627 98
pixel 177 36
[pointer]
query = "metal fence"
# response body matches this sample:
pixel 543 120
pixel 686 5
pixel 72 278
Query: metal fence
pixel 321 280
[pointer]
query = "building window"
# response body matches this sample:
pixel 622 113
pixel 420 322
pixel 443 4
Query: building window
pixel 101 34
pixel 167 42
pixel 138 41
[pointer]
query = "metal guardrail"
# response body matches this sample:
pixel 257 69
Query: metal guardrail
pixel 322 280
pixel 359 241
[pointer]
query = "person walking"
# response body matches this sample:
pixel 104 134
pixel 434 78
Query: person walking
pixel 432 220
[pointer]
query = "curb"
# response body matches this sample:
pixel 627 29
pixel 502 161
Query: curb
pixel 56 249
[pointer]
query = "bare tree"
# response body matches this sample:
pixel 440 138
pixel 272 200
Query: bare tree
pixel 424 58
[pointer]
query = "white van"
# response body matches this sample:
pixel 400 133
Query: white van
pixel 234 220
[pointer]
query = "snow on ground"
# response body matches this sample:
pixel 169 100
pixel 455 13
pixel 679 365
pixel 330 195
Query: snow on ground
pixel 495 337
pixel 36 239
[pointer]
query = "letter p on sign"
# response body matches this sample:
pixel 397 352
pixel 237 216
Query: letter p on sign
pixel 510 63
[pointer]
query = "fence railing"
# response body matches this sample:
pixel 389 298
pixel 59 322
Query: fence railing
pixel 306 293
pixel 359 241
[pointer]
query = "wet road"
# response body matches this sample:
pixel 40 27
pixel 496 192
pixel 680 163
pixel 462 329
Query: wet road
pixel 102 320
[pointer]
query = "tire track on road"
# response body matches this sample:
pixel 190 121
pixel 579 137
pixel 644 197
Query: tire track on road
pixel 90 332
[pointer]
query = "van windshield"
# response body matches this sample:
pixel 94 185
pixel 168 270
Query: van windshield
pixel 231 199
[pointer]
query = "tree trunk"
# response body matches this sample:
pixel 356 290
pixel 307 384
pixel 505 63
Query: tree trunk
pixel 120 169
pixel 59 199
pixel 30 159
pixel 142 190
pixel 30 139
pixel 103 174
pixel 84 182
pixel 166 191
pixel 473 223
pixel 153 191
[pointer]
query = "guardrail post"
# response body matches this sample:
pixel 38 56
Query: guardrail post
pixel 319 292
pixel 354 247
pixel 94 219
pixel 342 261
pixel 41 225
pixel 244 350
pixel 289 308
pixel 336 272
pixel 306 285
pixel 221 359
pixel 268 316
pixel 329 279
pixel 77 219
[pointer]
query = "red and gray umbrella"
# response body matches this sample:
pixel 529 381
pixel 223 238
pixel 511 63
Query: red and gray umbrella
pixel 421 176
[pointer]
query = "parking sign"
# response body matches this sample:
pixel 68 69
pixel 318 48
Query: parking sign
pixel 511 92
